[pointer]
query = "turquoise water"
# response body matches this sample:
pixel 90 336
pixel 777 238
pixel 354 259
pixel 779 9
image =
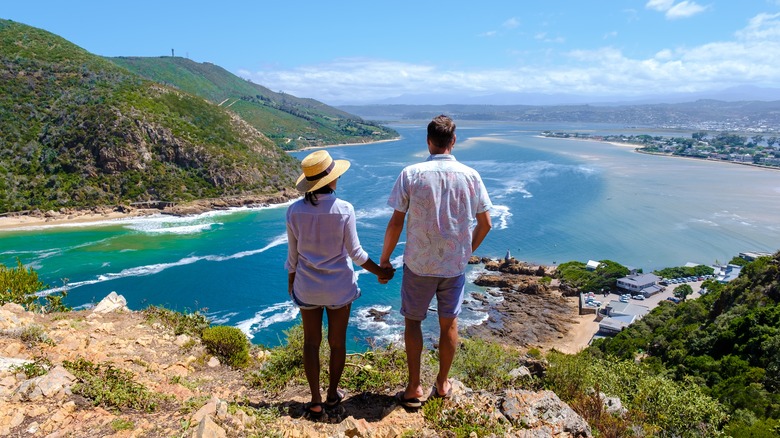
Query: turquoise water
pixel 555 200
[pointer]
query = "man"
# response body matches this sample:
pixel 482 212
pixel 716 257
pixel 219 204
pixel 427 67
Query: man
pixel 441 197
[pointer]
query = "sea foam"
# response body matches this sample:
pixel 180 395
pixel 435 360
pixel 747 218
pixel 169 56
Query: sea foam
pixel 275 313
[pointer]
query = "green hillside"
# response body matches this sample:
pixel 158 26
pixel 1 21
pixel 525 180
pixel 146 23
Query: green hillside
pixel 728 341
pixel 289 121
pixel 76 130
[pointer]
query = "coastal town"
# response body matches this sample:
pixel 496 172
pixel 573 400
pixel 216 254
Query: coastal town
pixel 757 150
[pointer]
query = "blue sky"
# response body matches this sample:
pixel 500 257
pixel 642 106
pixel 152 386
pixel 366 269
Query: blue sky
pixel 361 52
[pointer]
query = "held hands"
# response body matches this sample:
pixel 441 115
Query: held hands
pixel 387 272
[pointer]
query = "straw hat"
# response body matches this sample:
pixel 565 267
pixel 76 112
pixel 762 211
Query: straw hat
pixel 319 169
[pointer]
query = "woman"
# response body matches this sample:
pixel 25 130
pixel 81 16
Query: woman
pixel 321 239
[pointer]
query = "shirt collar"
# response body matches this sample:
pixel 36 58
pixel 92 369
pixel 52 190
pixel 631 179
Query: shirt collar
pixel 437 157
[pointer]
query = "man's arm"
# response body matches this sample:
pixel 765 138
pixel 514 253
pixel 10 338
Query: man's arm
pixel 394 228
pixel 484 224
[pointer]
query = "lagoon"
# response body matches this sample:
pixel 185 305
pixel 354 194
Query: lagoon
pixel 555 200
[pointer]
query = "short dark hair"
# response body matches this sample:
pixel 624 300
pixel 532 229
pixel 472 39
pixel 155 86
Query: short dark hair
pixel 441 131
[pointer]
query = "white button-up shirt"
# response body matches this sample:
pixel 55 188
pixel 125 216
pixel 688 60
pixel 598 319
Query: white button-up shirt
pixel 321 240
pixel 441 197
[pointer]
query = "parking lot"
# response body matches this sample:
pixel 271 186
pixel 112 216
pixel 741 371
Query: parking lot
pixel 655 299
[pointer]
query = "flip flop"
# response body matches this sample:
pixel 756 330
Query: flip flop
pixel 411 403
pixel 332 403
pixel 435 393
pixel 311 414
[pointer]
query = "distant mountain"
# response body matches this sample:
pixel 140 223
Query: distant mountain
pixel 733 94
pixel 708 115
pixel 77 130
pixel 291 122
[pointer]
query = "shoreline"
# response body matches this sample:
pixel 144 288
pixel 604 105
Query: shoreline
pixel 638 150
pixel 308 148
pixel 84 216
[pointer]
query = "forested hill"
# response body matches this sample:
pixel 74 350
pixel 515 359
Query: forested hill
pixel 728 340
pixel 77 130
pixel 291 122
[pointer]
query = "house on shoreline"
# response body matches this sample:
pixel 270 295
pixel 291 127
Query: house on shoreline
pixel 619 315
pixel 640 284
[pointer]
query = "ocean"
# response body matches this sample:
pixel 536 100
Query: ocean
pixel 555 200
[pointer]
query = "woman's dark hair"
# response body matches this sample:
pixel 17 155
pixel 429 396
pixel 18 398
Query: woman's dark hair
pixel 311 197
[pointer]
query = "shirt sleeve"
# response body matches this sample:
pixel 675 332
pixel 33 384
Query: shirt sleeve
pixel 292 248
pixel 399 196
pixel 483 200
pixel 351 241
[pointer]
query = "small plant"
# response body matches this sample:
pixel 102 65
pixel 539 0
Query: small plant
pixel 38 367
pixel 111 387
pixel 19 285
pixel 263 416
pixel 285 364
pixel 534 353
pixel 192 324
pixel 485 365
pixel 192 404
pixel 228 343
pixel 122 424
pixel 375 370
pixel 462 421
pixel 34 334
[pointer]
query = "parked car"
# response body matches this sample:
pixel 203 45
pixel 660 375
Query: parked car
pixel 623 299
pixel 638 297
pixel 673 299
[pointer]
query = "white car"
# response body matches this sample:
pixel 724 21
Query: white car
pixel 638 297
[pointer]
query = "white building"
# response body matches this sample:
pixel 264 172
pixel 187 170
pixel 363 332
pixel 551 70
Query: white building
pixel 640 284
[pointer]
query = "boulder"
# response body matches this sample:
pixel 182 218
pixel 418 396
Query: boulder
pixel 113 302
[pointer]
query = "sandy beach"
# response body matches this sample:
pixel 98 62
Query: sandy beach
pixel 11 222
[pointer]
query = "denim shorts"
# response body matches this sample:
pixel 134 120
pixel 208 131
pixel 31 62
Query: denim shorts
pixel 417 292
pixel 304 306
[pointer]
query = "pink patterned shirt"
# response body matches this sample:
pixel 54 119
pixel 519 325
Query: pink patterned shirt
pixel 441 197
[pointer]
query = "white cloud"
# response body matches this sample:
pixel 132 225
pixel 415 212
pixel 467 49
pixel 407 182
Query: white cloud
pixel 609 35
pixel 761 27
pixel 672 11
pixel 511 23
pixel 660 5
pixel 684 10
pixel 751 57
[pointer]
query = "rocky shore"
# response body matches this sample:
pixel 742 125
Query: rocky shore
pixel 205 398
pixel 531 310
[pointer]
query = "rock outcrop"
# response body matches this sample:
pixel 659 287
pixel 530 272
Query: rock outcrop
pixel 532 312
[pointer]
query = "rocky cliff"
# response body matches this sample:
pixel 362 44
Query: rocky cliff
pixel 201 397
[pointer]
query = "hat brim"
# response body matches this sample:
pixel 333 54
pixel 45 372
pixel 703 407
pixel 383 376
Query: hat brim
pixel 303 185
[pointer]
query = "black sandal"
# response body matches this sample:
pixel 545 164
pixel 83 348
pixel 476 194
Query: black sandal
pixel 333 402
pixel 312 414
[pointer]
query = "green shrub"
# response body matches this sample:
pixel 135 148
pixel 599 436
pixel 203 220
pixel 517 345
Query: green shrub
pixel 19 285
pixel 376 370
pixel 285 364
pixel 111 387
pixel 461 421
pixel 485 365
pixel 192 324
pixel 228 343
pixel 674 408
pixel 122 424
pixel 39 367
pixel 34 334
